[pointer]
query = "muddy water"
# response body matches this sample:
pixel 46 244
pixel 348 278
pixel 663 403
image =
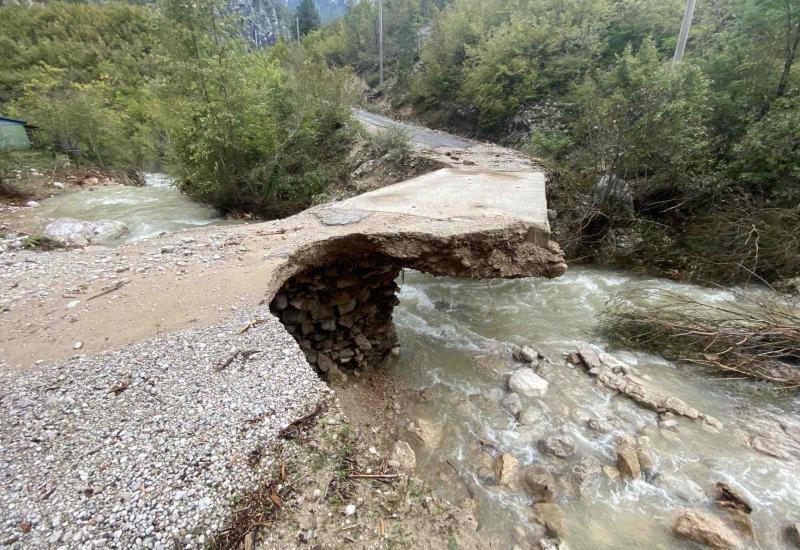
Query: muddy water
pixel 147 211
pixel 456 336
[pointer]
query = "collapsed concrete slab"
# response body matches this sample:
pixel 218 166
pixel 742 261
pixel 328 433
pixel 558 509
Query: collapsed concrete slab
pixel 335 295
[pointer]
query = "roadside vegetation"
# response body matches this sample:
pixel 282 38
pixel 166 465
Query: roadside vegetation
pixel 689 170
pixel 130 88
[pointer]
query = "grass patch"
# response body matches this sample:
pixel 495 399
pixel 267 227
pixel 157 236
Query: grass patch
pixel 40 242
pixel 751 338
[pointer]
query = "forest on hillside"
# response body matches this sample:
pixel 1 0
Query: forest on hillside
pixel 177 86
pixel 690 169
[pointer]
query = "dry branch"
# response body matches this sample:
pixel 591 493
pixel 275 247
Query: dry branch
pixel 757 337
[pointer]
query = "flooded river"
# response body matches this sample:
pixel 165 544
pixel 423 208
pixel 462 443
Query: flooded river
pixel 148 210
pixel 456 337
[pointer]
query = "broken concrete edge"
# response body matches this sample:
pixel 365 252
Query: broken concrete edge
pixel 336 296
pixel 514 251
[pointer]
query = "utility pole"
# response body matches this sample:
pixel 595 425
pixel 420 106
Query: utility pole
pixel 297 23
pixel 380 40
pixel 684 35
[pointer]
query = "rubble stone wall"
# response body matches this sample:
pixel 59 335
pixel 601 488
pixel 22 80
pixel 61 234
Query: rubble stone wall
pixel 341 313
pixel 336 296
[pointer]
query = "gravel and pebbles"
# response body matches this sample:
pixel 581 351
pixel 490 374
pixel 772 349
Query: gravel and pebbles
pixel 149 445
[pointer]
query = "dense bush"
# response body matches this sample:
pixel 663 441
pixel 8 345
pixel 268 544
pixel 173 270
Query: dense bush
pixel 79 73
pixel 392 143
pixel 258 131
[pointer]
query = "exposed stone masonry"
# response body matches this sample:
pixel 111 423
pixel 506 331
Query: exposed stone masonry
pixel 341 314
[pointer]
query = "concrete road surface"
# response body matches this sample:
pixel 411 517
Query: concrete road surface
pixel 420 136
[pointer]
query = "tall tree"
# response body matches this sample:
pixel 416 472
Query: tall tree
pixel 307 17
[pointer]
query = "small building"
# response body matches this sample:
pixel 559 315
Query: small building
pixel 14 134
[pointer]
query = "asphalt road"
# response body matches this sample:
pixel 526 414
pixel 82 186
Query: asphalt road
pixel 420 136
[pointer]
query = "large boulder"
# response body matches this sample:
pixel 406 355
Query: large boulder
pixel 704 528
pixel 107 230
pixel 72 232
pixel 610 189
pixel 527 383
pixel 69 232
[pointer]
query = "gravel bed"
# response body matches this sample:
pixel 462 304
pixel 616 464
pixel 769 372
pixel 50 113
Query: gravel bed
pixel 27 276
pixel 147 446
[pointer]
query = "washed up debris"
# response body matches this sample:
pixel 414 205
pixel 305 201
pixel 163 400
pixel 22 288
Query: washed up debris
pixel 226 362
pixel 613 374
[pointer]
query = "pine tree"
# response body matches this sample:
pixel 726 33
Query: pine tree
pixel 308 17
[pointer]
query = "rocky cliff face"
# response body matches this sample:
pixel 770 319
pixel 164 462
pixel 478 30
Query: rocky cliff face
pixel 328 9
pixel 266 20
pixel 263 20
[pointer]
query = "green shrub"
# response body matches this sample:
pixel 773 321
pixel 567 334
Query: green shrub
pixel 645 121
pixel 549 143
pixel 393 143
pixel 265 131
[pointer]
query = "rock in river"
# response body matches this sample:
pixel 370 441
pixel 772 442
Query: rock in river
pixel 730 497
pixel 526 354
pixel 560 445
pixel 527 383
pixel 540 483
pixel 628 461
pixel 793 534
pixel 704 528
pixel 512 404
pixel 551 516
pixel 506 470
pixel 71 232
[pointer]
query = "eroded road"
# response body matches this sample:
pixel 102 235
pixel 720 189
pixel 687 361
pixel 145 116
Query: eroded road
pixel 140 381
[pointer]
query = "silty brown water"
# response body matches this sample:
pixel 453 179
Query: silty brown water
pixel 456 337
